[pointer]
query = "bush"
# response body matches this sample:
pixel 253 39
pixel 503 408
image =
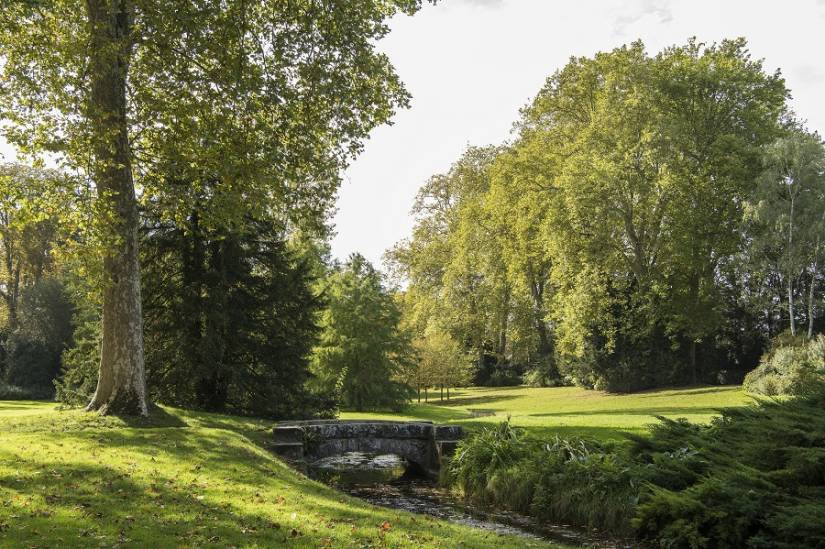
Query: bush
pixel 485 454
pixel 544 374
pixel 81 363
pixel 574 481
pixel 754 477
pixel 13 392
pixel 30 363
pixel 504 377
pixel 33 350
pixel 790 367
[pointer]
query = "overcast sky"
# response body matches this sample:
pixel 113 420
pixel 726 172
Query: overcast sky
pixel 470 65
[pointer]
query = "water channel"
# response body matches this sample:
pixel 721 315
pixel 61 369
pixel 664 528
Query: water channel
pixel 388 481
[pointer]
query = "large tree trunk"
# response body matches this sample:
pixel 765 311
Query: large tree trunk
pixel 121 386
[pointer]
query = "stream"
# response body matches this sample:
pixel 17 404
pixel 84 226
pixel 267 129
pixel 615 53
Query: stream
pixel 385 480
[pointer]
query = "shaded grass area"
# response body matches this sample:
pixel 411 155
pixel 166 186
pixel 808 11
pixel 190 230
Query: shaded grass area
pixel 570 411
pixel 182 479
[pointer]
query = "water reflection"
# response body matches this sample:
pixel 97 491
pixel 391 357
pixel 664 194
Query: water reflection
pixel 358 468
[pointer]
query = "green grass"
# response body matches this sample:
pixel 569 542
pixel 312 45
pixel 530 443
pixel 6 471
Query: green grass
pixel 182 479
pixel 570 410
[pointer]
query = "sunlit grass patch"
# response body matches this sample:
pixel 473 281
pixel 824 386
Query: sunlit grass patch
pixel 74 479
pixel 570 410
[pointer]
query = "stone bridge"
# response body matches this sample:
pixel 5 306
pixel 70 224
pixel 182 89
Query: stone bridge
pixel 419 442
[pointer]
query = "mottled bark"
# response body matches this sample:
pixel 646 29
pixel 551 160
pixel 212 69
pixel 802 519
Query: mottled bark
pixel 121 386
pixel 791 314
pixel 811 308
pixel 811 289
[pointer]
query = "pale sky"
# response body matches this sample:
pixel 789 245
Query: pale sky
pixel 471 64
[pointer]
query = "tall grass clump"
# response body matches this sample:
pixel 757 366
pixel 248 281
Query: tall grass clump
pixel 574 481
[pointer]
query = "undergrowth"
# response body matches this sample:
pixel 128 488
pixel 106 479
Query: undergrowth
pixel 754 477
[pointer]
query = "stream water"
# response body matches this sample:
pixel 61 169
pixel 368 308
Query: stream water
pixel 381 480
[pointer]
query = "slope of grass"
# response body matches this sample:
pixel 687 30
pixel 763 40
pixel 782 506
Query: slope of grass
pixel 570 410
pixel 181 479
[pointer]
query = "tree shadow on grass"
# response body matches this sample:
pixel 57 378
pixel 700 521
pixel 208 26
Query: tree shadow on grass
pixel 549 433
pixel 474 400
pixel 651 411
pixel 18 405
pixel 158 418
pixel 53 499
pixel 680 391
pixel 436 412
pixel 81 505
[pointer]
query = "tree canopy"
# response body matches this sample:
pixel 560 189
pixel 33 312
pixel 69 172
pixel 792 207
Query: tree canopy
pixel 362 353
pixel 260 102
pixel 601 240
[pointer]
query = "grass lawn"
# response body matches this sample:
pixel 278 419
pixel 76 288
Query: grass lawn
pixel 570 410
pixel 183 479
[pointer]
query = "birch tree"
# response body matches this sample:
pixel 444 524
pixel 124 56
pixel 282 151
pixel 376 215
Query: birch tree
pixel 789 208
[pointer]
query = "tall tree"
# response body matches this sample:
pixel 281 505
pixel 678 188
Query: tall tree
pixel 599 236
pixel 650 160
pixel 721 107
pixel 518 204
pixel 36 214
pixel 362 352
pixel 458 278
pixel 268 98
pixel 788 207
pixel 230 318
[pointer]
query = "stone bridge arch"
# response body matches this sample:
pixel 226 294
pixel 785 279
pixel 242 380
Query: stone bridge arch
pixel 419 442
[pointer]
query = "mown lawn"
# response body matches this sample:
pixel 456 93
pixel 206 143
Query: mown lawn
pixel 182 479
pixel 570 410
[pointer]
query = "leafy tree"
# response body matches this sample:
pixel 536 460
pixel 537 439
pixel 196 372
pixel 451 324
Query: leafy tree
pixel 44 331
pixel 270 99
pixel 788 211
pixel 33 218
pixel 440 362
pixel 36 215
pixel 650 160
pixel 517 204
pixel 604 240
pixel 721 108
pixel 455 264
pixel 362 351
